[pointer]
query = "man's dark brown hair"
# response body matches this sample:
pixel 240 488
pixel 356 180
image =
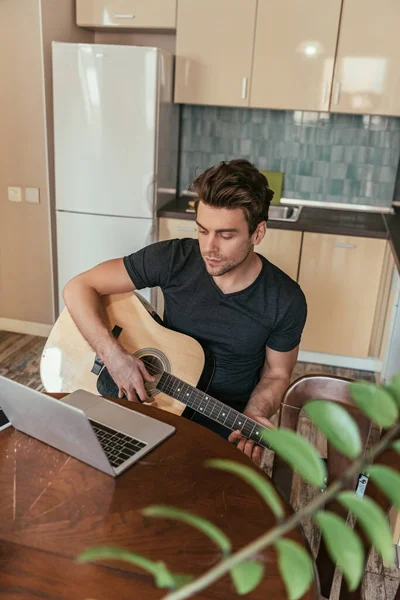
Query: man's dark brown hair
pixel 235 184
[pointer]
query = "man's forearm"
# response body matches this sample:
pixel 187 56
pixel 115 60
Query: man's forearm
pixel 266 397
pixel 86 311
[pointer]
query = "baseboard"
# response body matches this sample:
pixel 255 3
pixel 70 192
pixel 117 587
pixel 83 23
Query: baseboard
pixel 27 327
pixel 348 362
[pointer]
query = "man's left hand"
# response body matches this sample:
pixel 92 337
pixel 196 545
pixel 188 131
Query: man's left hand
pixel 252 450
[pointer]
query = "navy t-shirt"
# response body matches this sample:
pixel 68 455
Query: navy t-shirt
pixel 235 327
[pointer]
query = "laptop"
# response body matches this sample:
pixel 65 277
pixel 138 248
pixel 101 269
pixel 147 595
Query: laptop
pixel 98 432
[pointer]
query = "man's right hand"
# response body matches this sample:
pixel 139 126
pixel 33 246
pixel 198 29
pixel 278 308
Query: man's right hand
pixel 130 375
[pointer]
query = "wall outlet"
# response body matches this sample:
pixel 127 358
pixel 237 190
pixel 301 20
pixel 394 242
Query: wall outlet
pixel 32 195
pixel 15 194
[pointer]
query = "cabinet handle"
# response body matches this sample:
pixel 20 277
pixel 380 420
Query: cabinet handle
pixel 187 65
pixel 244 88
pixel 337 93
pixel 124 16
pixel 325 93
pixel 186 228
pixel 340 245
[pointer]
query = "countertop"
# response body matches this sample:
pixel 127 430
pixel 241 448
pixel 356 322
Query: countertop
pixel 320 220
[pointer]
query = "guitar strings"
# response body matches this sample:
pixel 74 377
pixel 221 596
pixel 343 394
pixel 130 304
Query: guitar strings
pixel 154 370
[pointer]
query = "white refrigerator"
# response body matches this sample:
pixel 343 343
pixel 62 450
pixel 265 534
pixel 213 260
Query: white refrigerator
pixel 116 145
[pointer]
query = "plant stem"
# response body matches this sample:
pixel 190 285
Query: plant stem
pixel 277 532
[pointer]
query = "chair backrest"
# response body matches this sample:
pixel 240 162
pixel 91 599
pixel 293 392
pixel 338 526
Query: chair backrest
pixel 321 387
pixel 313 387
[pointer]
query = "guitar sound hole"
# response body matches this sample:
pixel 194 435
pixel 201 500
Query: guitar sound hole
pixel 156 363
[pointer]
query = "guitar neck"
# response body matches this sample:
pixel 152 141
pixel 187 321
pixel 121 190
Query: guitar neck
pixel 213 409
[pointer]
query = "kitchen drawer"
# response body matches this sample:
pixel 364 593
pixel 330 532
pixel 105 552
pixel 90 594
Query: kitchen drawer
pixel 132 14
pixel 170 229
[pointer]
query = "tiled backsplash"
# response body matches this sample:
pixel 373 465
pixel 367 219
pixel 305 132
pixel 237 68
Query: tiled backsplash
pixel 324 157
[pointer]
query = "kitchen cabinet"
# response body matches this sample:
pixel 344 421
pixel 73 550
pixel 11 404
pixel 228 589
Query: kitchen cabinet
pixel 367 79
pixel 248 53
pixel 340 277
pixel 294 53
pixel 128 14
pixel 214 48
pixel 282 248
pixel 169 229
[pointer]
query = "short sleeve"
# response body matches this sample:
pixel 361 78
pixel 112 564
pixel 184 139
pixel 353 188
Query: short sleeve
pixel 150 266
pixel 287 334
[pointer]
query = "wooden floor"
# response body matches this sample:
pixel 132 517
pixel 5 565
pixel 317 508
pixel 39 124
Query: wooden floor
pixel 20 360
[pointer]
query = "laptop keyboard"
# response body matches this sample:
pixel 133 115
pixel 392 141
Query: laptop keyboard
pixel 117 446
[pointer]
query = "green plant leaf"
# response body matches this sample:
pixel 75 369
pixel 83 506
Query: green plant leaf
pixel 373 521
pixel 246 576
pixel 296 568
pixel 375 402
pixel 259 483
pixel 338 426
pixel 396 445
pixel 344 546
pixel 300 455
pixel 388 480
pixel 205 526
pixel 393 387
pixel 163 577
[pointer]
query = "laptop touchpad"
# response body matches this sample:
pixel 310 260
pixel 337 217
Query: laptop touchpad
pixel 82 399
pixel 116 417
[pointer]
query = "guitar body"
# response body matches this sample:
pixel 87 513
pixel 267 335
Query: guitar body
pixel 68 361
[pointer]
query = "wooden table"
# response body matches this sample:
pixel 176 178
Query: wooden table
pixel 52 507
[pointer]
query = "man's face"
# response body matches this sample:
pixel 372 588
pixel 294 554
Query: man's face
pixel 224 238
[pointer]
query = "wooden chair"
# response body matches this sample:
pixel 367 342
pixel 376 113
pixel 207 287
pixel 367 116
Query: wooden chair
pixel 301 391
pixel 389 458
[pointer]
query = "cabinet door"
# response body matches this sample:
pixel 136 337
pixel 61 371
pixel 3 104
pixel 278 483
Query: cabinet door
pixel 282 248
pixel 214 47
pixel 146 14
pixel 367 71
pixel 294 53
pixel 169 229
pixel 340 277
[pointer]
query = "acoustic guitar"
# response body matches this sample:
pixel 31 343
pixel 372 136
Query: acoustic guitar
pixel 181 367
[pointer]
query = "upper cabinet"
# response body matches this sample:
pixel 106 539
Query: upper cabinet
pixel 132 14
pixel 214 48
pixel 280 54
pixel 336 55
pixel 367 72
pixel 294 54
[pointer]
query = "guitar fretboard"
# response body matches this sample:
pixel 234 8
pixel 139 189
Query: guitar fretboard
pixel 212 408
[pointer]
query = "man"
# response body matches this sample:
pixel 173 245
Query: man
pixel 218 290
